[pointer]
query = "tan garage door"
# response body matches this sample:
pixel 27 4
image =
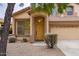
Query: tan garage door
pixel 66 32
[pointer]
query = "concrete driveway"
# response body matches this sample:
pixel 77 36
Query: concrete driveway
pixel 69 47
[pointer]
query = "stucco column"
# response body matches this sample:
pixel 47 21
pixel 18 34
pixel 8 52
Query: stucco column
pixel 30 25
pixel 47 25
pixel 31 30
pixel 12 22
pixel 16 28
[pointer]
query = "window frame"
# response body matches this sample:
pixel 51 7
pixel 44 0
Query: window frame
pixel 69 11
pixel 24 27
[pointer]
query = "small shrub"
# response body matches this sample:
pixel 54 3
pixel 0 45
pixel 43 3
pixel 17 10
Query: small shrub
pixel 12 40
pixel 51 40
pixel 24 40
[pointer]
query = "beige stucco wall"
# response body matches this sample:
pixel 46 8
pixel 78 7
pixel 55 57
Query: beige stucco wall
pixel 22 15
pixel 76 8
pixel 12 22
pixel 65 18
pixel 66 32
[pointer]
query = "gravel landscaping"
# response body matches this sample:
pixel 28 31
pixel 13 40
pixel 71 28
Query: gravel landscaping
pixel 31 49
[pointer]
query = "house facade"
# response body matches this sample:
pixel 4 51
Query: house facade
pixel 34 26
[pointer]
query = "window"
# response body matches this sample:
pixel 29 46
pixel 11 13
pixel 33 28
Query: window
pixel 69 10
pixel 20 27
pixel 23 27
pixel 27 27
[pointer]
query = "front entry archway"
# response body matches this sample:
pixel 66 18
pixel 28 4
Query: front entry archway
pixel 39 28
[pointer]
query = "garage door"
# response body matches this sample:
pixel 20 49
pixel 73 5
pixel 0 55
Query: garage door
pixel 66 32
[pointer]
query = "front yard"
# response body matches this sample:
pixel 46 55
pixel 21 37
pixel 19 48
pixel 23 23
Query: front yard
pixel 31 49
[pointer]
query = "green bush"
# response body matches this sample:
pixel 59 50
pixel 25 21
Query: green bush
pixel 12 40
pixel 51 40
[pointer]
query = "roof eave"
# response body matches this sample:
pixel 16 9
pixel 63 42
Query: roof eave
pixel 20 11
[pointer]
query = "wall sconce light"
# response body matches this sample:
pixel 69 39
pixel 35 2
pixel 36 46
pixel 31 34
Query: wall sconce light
pixel 39 20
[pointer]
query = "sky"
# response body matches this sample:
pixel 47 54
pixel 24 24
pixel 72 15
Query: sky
pixel 3 7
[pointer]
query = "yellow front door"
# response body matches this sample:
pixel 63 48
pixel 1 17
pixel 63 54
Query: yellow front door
pixel 39 28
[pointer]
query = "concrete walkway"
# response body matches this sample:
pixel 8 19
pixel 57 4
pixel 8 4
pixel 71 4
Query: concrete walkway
pixel 69 47
pixel 31 49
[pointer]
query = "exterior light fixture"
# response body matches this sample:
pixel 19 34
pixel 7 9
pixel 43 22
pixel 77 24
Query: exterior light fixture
pixel 39 20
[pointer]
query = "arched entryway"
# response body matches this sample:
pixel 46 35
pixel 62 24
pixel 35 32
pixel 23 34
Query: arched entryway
pixel 39 28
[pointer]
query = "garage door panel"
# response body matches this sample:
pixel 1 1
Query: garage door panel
pixel 66 33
